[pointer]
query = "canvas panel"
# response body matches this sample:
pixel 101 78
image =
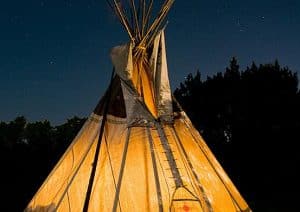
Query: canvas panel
pixel 108 167
pixel 136 183
pixel 192 189
pixel 121 57
pixel 221 192
pixel 159 67
pixel 147 91
pixel 154 56
pixel 136 111
pixel 162 84
pixel 125 172
pixel 167 182
pixel 61 178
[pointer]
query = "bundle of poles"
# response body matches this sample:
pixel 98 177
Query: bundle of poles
pixel 135 17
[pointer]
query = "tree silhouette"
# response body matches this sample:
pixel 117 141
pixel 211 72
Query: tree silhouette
pixel 28 152
pixel 250 119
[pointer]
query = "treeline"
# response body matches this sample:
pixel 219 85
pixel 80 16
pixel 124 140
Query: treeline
pixel 28 152
pixel 249 118
pixel 251 121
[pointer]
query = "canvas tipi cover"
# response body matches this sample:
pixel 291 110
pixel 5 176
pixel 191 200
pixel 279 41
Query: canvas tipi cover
pixel 138 151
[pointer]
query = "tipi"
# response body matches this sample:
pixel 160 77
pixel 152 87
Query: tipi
pixel 138 151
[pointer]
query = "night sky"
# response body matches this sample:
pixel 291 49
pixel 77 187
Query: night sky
pixel 54 54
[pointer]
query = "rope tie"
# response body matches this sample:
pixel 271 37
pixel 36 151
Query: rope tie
pixel 141 47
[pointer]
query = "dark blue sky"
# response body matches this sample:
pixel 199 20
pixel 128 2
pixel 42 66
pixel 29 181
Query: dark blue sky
pixel 54 54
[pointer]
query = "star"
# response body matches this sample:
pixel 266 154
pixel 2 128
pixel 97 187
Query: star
pixel 238 23
pixel 261 18
pixel 241 27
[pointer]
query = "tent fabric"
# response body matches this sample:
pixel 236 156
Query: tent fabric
pixel 151 157
pixel 136 74
pixel 139 75
pixel 133 173
pixel 161 78
pixel 121 57
pixel 136 113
